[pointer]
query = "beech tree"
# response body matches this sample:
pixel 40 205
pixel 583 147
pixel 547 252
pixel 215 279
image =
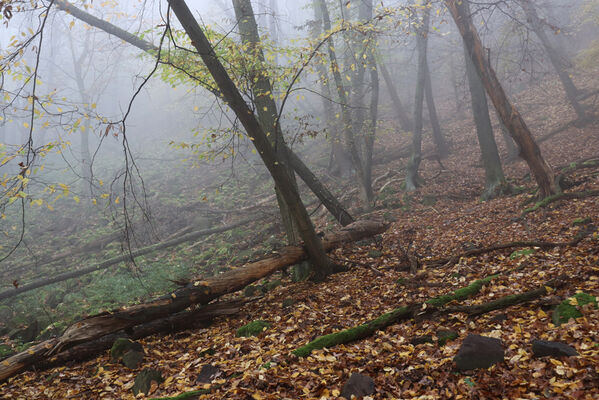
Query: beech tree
pixel 273 161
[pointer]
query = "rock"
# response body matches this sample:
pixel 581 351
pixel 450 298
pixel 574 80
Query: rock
pixel 254 328
pixel 208 373
pixel 444 336
pixel 130 353
pixel 542 348
pixel 416 340
pixel 132 359
pixel 358 385
pixel 288 302
pixel 479 352
pixel 122 346
pixel 499 318
pixel 143 380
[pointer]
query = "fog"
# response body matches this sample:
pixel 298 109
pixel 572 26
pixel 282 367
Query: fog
pixel 97 138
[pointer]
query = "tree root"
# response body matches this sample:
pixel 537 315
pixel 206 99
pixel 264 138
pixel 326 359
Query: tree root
pixel 558 197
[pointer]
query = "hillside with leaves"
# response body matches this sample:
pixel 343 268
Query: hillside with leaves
pixel 441 239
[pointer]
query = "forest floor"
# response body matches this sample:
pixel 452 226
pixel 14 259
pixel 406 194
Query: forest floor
pixel 443 218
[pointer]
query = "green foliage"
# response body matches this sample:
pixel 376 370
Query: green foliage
pixel 569 308
pixel 253 328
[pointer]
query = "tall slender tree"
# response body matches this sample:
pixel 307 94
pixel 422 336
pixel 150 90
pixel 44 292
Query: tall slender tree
pixel 494 177
pixel 556 59
pixel 529 150
pixel 413 179
pixel 275 165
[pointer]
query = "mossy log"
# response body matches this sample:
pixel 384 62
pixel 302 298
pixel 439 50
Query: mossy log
pixel 399 314
pixel 198 292
pixel 558 197
pixel 421 311
pixel 512 299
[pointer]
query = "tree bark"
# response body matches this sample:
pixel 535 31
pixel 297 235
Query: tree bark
pixel 554 56
pixel 529 150
pixel 494 176
pixel 438 138
pixel 413 179
pixel 256 132
pixel 266 108
pixel 198 292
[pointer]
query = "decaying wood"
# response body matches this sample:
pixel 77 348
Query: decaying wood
pixel 196 318
pixel 198 292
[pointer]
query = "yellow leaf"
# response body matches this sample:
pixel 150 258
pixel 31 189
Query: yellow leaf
pixel 117 200
pixel 71 24
pixel 76 198
pixel 26 125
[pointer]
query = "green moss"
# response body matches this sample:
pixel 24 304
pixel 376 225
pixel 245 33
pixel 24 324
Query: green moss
pixel 581 221
pixel 356 333
pixel 374 253
pixel 462 293
pixel 444 336
pixel 253 328
pixel 120 347
pixel 520 253
pixel 5 351
pixel 566 310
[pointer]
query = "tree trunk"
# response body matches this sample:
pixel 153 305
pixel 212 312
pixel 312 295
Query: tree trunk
pixel 438 139
pixel 404 119
pixel 529 150
pixel 316 186
pixel 266 107
pixel 271 159
pixel 484 131
pixel 413 180
pixel 199 292
pixel 554 57
pixel 366 192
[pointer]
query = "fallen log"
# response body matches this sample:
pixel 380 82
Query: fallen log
pixel 197 318
pixel 427 310
pixel 558 197
pixel 198 292
pixel 125 257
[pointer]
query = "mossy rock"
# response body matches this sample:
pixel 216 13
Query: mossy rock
pixel 288 302
pixel 253 328
pixel 375 253
pixel 269 286
pixel 143 380
pixel 568 308
pixel 252 290
pixel 444 336
pixel 129 352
